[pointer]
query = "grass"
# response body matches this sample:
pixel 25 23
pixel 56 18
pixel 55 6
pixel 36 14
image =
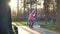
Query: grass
pixel 21 23
pixel 24 23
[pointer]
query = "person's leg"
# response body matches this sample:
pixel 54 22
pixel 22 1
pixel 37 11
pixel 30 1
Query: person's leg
pixel 29 23
pixel 32 23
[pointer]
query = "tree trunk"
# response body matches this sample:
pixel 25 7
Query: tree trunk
pixel 5 18
pixel 58 15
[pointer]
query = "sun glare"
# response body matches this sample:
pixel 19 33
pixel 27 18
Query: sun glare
pixel 13 4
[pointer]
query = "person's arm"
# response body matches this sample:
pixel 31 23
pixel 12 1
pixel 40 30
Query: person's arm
pixel 34 17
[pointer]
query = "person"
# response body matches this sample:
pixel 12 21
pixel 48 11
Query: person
pixel 32 18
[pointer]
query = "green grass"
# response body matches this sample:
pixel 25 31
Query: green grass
pixel 21 23
pixel 24 23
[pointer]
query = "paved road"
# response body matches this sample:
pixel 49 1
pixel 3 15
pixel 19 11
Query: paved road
pixel 44 31
pixel 35 30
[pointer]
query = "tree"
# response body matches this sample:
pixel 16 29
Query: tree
pixel 58 15
pixel 5 18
